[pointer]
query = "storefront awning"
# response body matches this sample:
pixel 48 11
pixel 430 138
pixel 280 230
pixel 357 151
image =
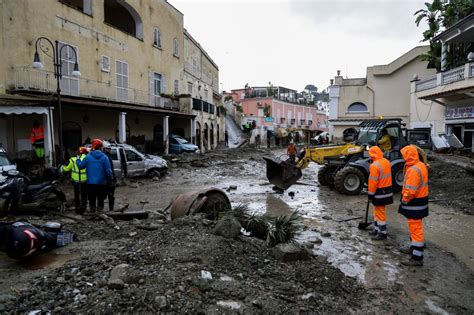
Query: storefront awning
pixel 19 110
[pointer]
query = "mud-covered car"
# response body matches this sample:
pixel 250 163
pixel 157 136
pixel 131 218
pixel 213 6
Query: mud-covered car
pixel 129 162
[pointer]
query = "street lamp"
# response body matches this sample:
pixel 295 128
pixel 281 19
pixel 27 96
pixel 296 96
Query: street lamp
pixel 37 64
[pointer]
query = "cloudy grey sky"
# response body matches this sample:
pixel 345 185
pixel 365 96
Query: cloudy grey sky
pixel 295 42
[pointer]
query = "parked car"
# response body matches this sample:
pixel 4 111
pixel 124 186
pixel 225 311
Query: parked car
pixel 5 163
pixel 179 145
pixel 129 162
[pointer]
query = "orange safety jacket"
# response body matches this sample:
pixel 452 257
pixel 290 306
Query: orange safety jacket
pixel 37 136
pixel 292 149
pixel 380 179
pixel 414 204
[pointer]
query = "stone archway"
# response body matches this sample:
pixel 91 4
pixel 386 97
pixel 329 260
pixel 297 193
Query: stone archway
pixel 206 136
pixel 212 136
pixel 198 135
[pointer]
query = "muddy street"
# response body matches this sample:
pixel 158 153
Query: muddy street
pixel 346 271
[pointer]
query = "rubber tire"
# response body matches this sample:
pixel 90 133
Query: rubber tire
pixel 153 173
pixel 326 176
pixel 341 176
pixel 397 168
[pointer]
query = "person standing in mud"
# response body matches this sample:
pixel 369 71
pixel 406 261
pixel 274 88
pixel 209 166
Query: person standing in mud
pixel 291 151
pixel 110 185
pixel 99 173
pixel 79 181
pixel 379 191
pixel 414 203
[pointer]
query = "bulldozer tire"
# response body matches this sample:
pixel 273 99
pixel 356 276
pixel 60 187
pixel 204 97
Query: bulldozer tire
pixel 349 181
pixel 397 177
pixel 326 176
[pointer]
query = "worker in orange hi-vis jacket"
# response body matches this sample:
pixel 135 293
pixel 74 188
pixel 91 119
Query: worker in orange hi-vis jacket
pixel 380 191
pixel 414 203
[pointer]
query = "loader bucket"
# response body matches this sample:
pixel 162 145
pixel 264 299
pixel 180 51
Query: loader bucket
pixel 282 174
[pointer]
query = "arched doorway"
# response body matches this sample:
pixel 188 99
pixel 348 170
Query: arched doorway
pixel 72 137
pixel 198 135
pixel 123 16
pixel 157 145
pixel 212 136
pixel 218 138
pixel 206 136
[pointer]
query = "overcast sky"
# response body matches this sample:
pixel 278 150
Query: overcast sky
pixel 296 42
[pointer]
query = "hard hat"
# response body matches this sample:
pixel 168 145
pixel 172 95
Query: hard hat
pixel 96 144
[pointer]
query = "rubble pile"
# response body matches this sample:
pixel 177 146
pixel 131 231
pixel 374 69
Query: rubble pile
pixel 184 267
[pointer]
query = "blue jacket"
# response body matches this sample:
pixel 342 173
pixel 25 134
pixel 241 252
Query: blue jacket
pixel 97 166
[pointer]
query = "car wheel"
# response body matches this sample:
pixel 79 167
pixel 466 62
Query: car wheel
pixel 153 173
pixel 397 177
pixel 326 175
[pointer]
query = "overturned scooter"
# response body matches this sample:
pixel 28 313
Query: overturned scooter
pixel 22 239
pixel 18 195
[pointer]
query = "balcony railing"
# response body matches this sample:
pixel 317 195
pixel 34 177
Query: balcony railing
pixel 425 84
pixel 471 74
pixel 453 75
pixel 28 79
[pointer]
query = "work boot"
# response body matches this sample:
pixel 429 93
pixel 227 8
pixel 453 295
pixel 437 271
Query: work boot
pixel 412 262
pixel 373 232
pixel 405 249
pixel 379 237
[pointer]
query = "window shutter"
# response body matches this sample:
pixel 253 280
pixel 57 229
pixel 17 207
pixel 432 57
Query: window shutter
pixel 151 87
pixel 164 89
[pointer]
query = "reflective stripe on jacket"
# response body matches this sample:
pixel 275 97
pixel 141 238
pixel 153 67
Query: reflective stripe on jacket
pixel 380 179
pixel 37 136
pixel 414 204
pixel 78 176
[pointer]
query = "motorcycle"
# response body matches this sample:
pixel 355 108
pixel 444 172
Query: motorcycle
pixel 17 194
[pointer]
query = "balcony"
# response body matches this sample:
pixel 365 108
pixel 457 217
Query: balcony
pixel 447 84
pixel 32 80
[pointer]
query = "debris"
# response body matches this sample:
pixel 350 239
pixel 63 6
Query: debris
pixel 161 301
pixel 289 252
pixel 206 275
pixel 108 220
pixel 125 273
pixel 291 194
pixel 211 201
pixel 228 227
pixel 129 215
pixel 132 234
pixel 149 227
pixel 325 234
pixel 116 284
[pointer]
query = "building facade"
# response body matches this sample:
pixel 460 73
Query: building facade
pixel 385 91
pixel 451 91
pixel 277 107
pixel 131 58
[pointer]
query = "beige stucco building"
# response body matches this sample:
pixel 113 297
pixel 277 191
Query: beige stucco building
pixel 201 77
pixel 385 91
pixel 132 88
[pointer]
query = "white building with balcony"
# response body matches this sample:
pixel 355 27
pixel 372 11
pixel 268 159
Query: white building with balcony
pixel 450 93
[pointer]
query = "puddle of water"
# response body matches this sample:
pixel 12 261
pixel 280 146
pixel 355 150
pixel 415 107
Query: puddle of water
pixel 230 304
pixel 44 260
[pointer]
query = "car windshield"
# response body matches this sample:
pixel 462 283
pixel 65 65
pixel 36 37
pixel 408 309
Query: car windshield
pixel 4 161
pixel 367 136
pixel 181 140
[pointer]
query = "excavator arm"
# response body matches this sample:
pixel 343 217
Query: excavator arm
pixel 319 154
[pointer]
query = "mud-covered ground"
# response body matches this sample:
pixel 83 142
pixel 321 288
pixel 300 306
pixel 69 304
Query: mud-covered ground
pixel 347 271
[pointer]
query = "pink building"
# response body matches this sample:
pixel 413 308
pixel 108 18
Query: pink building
pixel 277 107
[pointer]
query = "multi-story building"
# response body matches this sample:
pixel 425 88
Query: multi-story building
pixel 201 77
pixel 385 91
pixel 277 107
pixel 131 58
pixel 451 91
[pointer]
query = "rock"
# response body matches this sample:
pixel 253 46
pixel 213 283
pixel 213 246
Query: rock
pixel 325 234
pixel 132 234
pixel 207 222
pixel 116 284
pixel 233 187
pixel 126 274
pixel 291 194
pixel 289 252
pixel 6 298
pixel 60 280
pixel 327 217
pixel 317 241
pixel 161 301
pixel 228 227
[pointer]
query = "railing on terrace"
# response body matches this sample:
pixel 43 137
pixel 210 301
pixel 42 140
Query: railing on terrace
pixel 453 75
pixel 471 71
pixel 26 78
pixel 425 84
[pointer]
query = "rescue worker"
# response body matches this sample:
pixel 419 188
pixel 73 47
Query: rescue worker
pixel 110 185
pixel 99 173
pixel 79 181
pixel 385 142
pixel 414 203
pixel 379 191
pixel 37 139
pixel 291 151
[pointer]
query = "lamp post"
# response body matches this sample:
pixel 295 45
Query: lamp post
pixel 37 64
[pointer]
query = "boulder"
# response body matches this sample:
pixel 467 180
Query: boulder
pixel 125 273
pixel 290 252
pixel 228 227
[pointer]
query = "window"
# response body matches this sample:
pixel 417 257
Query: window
pixel 157 84
pixel 357 108
pixel 260 112
pixel 175 47
pixel 114 155
pixel 121 70
pixel 105 64
pixel 206 93
pixel 69 84
pixel 84 6
pixel 176 87
pixel 190 88
pixel 124 17
pixel 157 37
pixel 132 156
